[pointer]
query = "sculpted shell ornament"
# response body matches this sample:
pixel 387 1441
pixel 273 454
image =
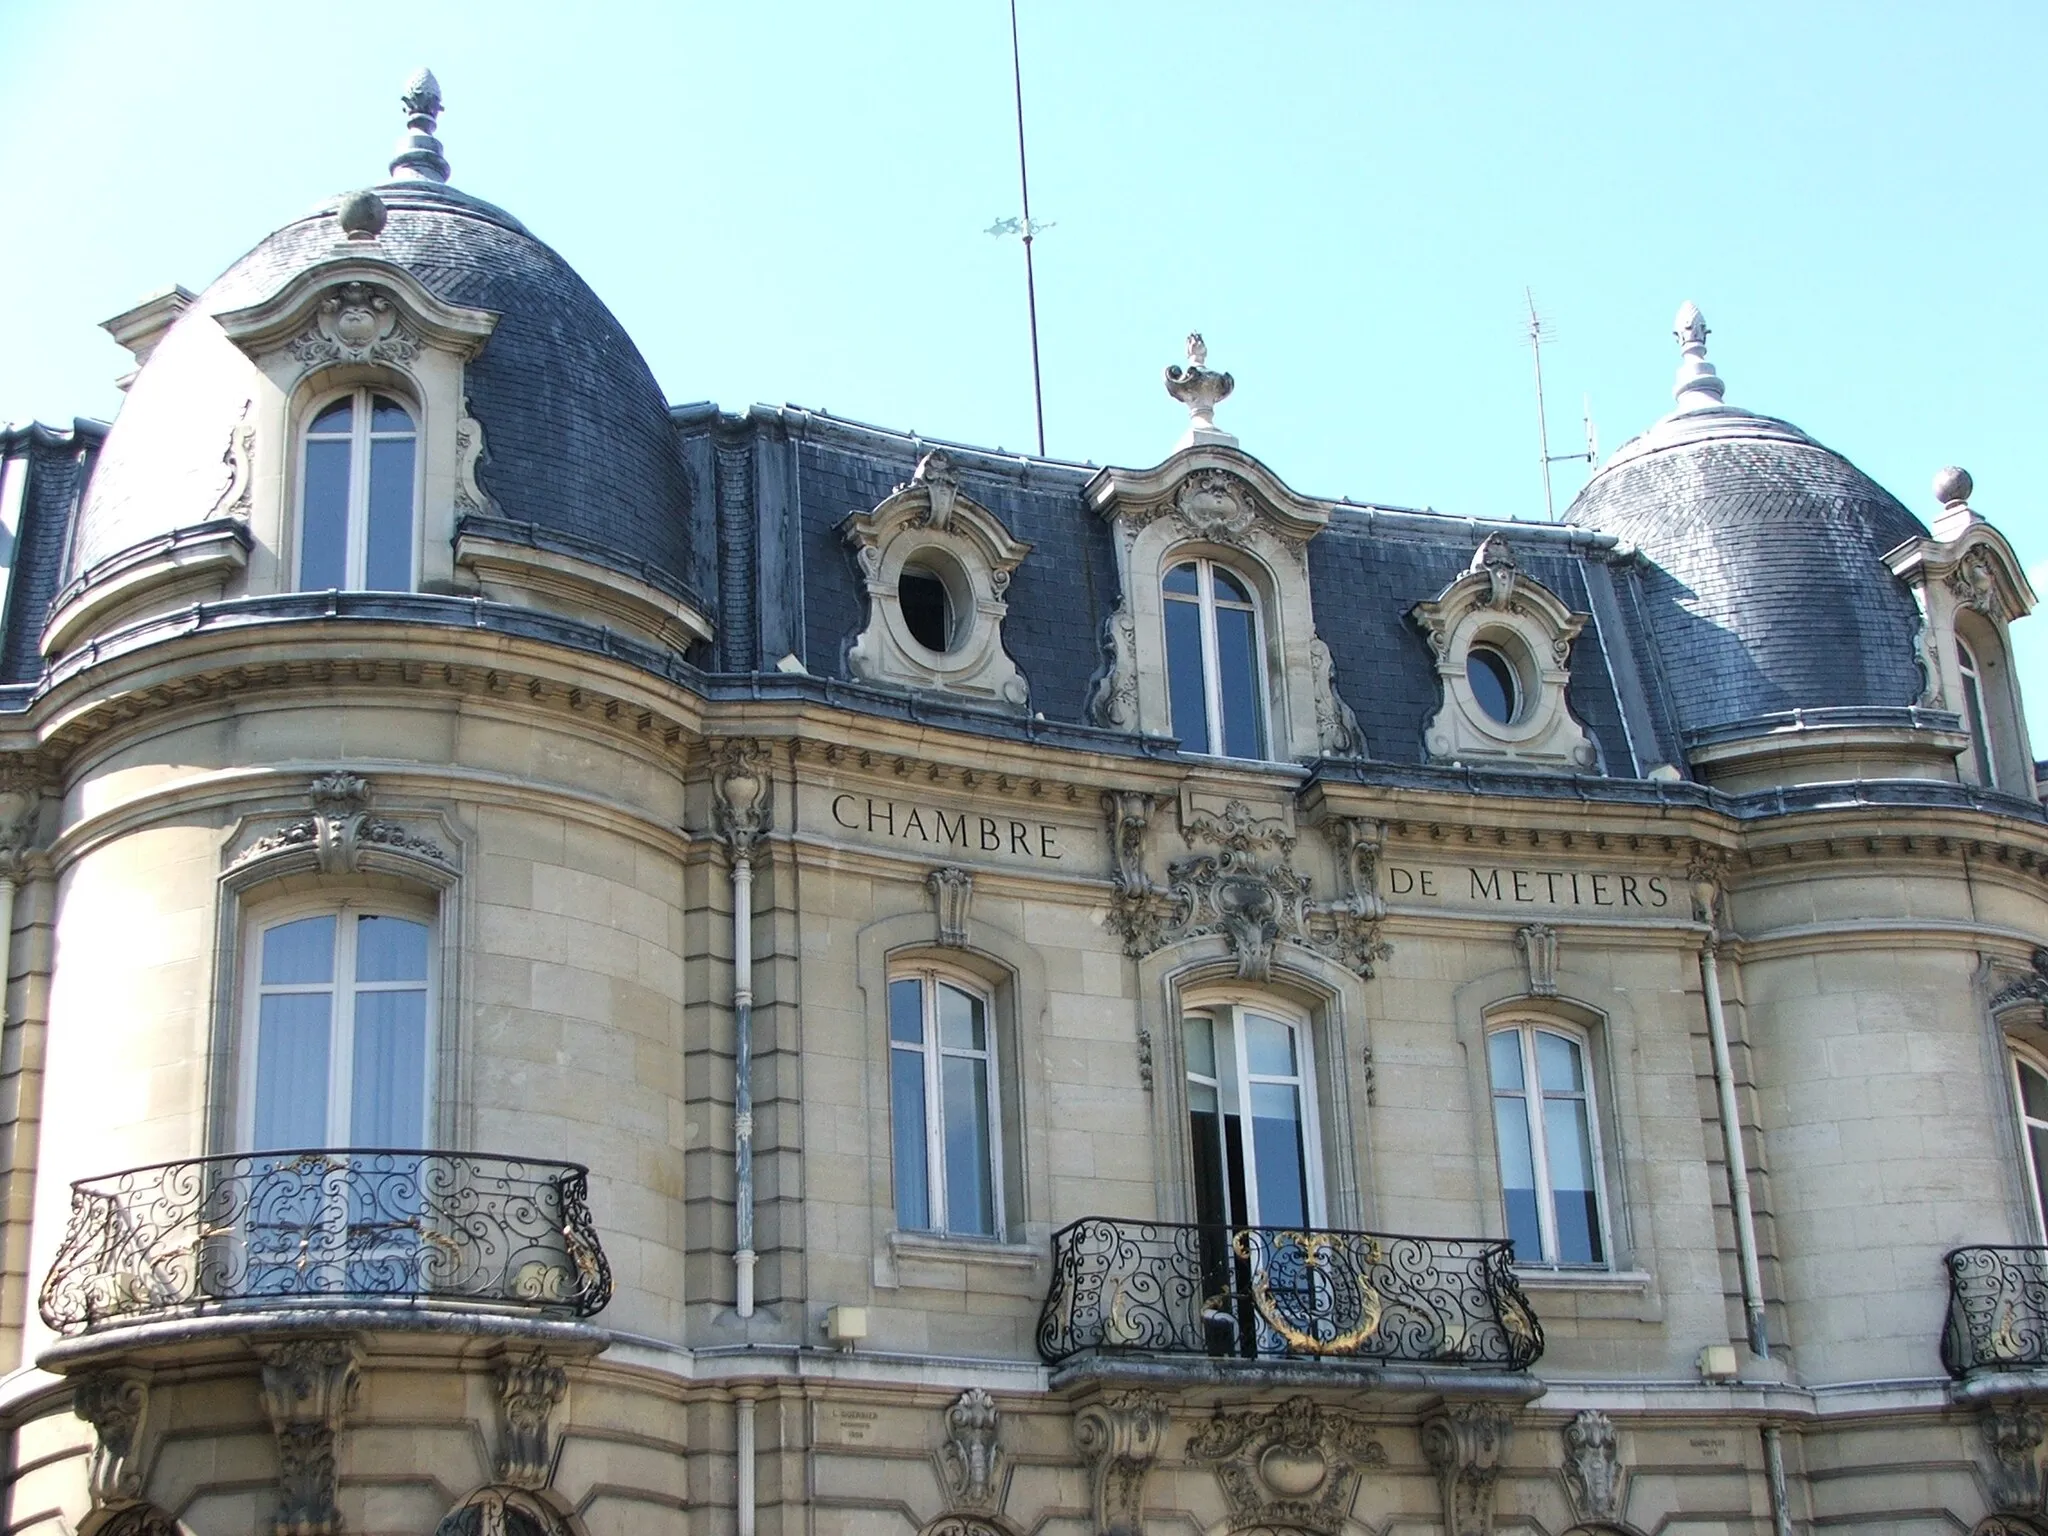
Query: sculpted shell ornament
pixel 1215 505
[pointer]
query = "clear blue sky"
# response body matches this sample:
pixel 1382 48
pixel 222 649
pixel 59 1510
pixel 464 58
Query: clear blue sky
pixel 787 202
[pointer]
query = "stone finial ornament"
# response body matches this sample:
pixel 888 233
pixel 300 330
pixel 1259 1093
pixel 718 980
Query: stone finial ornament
pixel 1698 386
pixel 361 215
pixel 419 156
pixel 1952 488
pixel 1201 390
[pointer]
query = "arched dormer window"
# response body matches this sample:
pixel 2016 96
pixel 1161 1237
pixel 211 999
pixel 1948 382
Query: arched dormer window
pixel 359 495
pixel 1974 713
pixel 1215 660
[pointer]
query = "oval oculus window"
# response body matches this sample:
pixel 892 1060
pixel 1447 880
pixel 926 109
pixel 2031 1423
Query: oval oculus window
pixel 1493 683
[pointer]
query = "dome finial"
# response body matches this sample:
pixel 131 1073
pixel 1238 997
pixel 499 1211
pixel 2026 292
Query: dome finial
pixel 419 156
pixel 1698 385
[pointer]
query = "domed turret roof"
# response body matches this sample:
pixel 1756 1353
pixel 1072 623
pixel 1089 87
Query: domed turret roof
pixel 577 437
pixel 1768 590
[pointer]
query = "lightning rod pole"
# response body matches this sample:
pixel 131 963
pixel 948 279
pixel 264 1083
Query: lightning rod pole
pixel 1030 279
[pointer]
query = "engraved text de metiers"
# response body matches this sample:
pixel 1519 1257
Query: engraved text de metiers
pixel 1545 887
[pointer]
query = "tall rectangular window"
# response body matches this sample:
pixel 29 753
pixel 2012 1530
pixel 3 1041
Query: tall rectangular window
pixel 944 1132
pixel 1549 1145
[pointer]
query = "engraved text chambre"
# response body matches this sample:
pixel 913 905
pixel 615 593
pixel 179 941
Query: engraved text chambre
pixel 961 832
pixel 1505 885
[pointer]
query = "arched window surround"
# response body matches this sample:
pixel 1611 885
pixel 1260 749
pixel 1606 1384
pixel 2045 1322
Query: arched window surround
pixel 279 861
pixel 1222 723
pixel 1012 973
pixel 1998 755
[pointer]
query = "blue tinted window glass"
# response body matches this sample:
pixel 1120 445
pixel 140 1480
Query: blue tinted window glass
pixel 1493 683
pixel 906 1011
pixel 1185 688
pixel 338 417
pixel 300 953
pixel 390 1070
pixel 1181 581
pixel 970 1200
pixel 388 567
pixel 390 949
pixel 387 415
pixel 291 1070
pixel 1278 1150
pixel 907 1134
pixel 323 531
pixel 1237 660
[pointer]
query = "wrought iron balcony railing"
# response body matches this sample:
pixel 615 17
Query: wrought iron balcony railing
pixel 289 1228
pixel 1263 1292
pixel 1997 1310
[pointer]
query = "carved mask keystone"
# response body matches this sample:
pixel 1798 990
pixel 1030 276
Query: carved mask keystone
pixel 1592 1466
pixel 1295 1467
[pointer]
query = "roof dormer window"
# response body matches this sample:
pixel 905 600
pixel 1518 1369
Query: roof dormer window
pixel 358 495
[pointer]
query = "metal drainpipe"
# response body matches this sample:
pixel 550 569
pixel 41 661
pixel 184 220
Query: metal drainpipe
pixel 1731 1133
pixel 743 1107
pixel 743 1444
pixel 1774 1472
pixel 7 888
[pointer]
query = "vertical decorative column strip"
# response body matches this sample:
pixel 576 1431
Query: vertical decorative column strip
pixel 740 790
pixel 309 1389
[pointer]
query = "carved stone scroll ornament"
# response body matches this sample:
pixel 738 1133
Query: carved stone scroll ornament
pixel 1295 1467
pixel 309 1390
pixel 138 1519
pixel 1538 944
pixel 1216 506
pixel 116 1405
pixel 1131 910
pixel 965 1525
pixel 1120 1438
pixel 1464 1443
pixel 1337 732
pixel 470 495
pixel 20 802
pixel 2013 1435
pixel 1974 585
pixel 739 790
pixel 940 481
pixel 970 1460
pixel 1592 1467
pixel 235 496
pixel 357 323
pixel 528 1392
pixel 952 891
pixel 2026 989
pixel 1113 703
pixel 340 829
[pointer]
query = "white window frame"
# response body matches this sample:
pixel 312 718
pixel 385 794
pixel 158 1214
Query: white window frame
pixel 1304 1083
pixel 934 1050
pixel 1533 1095
pixel 2018 1056
pixel 1206 603
pixel 341 1020
pixel 361 436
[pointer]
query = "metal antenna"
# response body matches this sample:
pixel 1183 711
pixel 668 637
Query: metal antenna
pixel 1026 229
pixel 1539 332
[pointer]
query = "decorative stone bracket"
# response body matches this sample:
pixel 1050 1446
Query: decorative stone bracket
pixel 116 1405
pixel 1296 1467
pixel 309 1390
pixel 1538 944
pixel 741 809
pixel 1464 1443
pixel 1120 1438
pixel 970 1461
pixel 2013 1436
pixel 952 891
pixel 528 1392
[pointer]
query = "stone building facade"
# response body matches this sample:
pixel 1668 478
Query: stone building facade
pixel 579 965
